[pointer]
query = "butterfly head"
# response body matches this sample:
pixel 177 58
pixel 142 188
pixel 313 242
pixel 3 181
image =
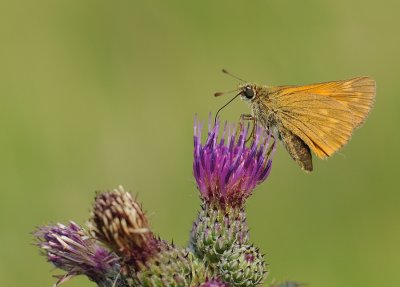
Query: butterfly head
pixel 248 92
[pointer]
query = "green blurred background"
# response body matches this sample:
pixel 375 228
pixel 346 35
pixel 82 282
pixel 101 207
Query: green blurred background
pixel 94 94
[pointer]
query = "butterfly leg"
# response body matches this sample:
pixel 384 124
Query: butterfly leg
pixel 253 133
pixel 271 146
pixel 248 117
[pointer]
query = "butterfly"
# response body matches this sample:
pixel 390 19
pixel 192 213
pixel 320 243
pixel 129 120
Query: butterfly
pixel 318 117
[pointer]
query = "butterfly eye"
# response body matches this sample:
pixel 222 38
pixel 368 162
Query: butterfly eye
pixel 248 92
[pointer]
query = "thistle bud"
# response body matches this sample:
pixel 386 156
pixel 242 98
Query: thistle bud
pixel 217 230
pixel 242 266
pixel 119 222
pixel 172 267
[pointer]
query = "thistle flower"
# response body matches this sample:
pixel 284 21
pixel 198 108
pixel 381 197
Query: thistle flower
pixel 227 171
pixel 70 248
pixel 119 222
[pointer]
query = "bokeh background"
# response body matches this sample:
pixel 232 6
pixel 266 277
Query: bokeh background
pixel 94 94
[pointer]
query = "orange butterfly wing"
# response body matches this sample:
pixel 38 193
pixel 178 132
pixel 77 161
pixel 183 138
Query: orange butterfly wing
pixel 325 115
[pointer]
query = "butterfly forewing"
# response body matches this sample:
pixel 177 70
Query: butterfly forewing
pixel 357 94
pixel 324 115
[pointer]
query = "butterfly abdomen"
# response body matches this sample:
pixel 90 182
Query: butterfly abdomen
pixel 297 149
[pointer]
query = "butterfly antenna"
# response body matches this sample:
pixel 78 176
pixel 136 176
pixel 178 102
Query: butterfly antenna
pixel 218 94
pixel 233 76
pixel 216 115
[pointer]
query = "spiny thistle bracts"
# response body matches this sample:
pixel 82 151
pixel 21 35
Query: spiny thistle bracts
pixel 172 267
pixel 242 266
pixel 216 230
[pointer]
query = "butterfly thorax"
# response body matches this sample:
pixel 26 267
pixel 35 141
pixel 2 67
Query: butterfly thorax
pixel 262 104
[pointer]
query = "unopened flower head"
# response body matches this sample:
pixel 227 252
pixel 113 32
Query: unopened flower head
pixel 70 248
pixel 225 168
pixel 242 266
pixel 172 267
pixel 118 221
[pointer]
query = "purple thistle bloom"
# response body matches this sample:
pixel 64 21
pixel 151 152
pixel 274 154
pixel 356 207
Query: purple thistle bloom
pixel 227 171
pixel 71 249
